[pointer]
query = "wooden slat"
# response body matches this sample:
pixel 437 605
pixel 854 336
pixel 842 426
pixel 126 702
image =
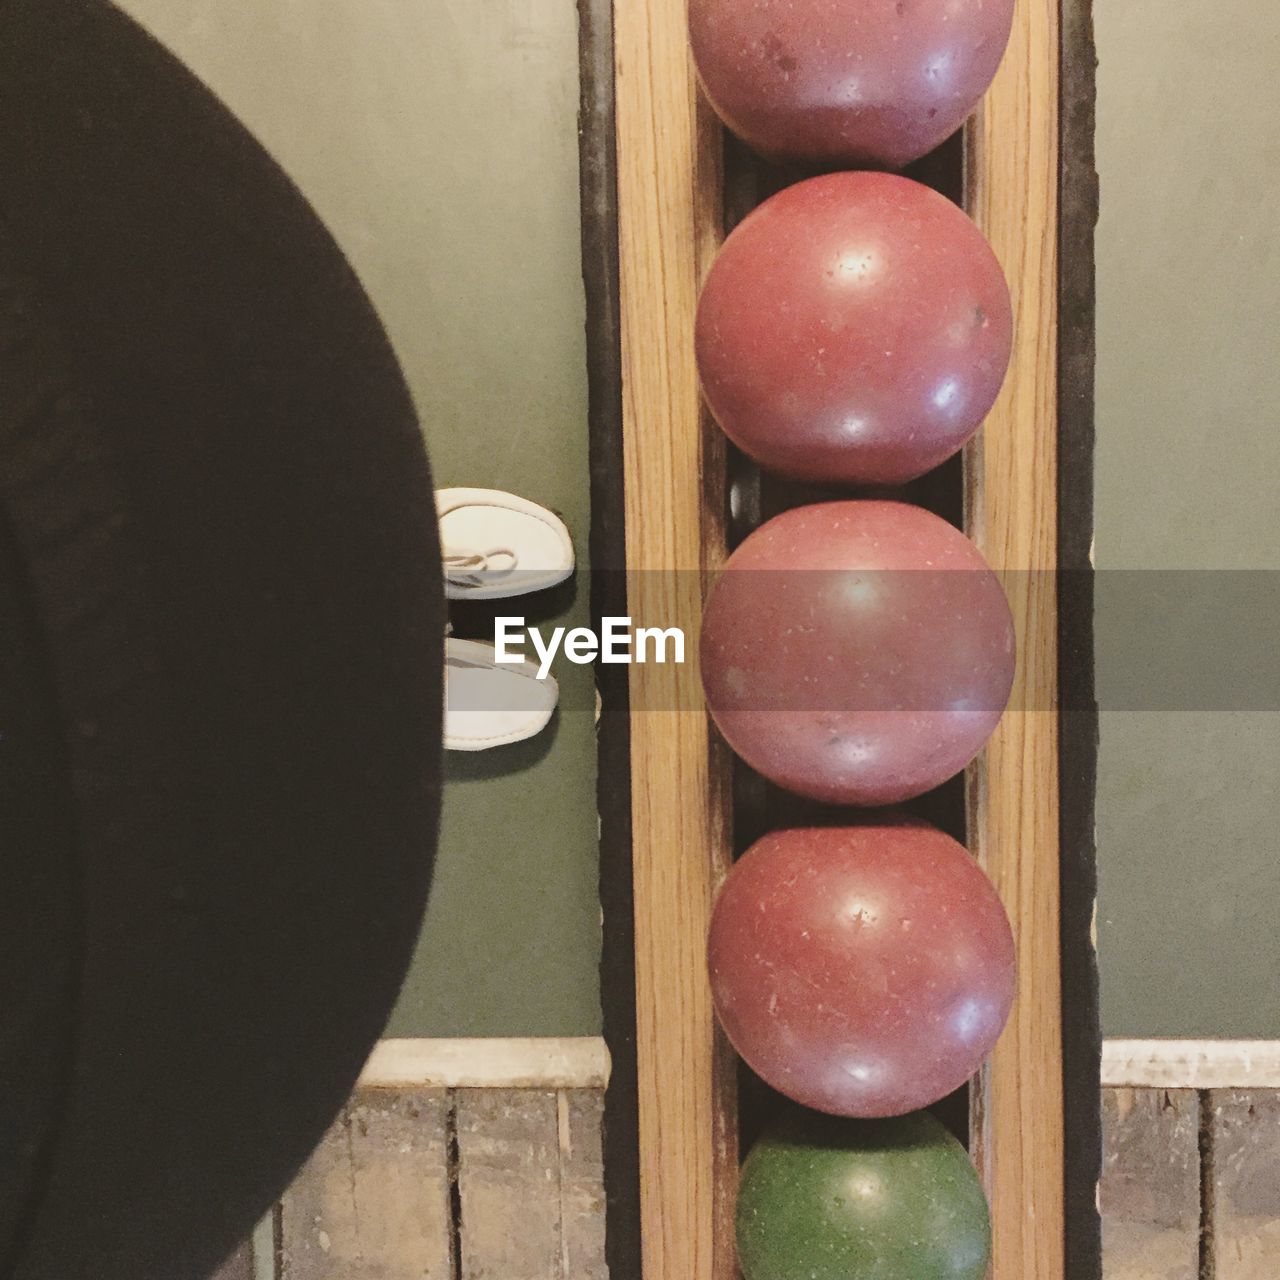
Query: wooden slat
pixel 1192 1064
pixel 509 1185
pixel 1012 515
pixel 374 1200
pixel 670 197
pixel 582 1213
pixel 1151 1184
pixel 1245 1174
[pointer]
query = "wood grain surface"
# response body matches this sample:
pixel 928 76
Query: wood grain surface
pixel 670 202
pixel 450 1184
pixel 1245 1187
pixel 1151 1184
pixel 508 1185
pixel 582 1195
pixel 1013 516
pixel 373 1201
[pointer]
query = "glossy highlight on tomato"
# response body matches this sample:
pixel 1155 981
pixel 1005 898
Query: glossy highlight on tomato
pixel 854 330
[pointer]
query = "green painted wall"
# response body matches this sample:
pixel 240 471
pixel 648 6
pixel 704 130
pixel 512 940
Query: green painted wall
pixel 1188 473
pixel 438 140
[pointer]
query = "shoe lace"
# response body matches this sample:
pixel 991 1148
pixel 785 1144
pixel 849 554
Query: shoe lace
pixel 465 568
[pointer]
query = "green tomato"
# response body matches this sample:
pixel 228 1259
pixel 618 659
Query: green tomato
pixel 827 1199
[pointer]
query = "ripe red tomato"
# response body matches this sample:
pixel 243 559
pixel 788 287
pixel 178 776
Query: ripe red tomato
pixel 861 971
pixel 858 652
pixel 859 82
pixel 855 329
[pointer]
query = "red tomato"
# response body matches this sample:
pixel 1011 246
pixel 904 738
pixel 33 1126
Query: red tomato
pixel 861 971
pixel 858 652
pixel 855 329
pixel 875 82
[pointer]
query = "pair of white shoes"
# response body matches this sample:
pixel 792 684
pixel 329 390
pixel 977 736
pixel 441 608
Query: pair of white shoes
pixel 496 545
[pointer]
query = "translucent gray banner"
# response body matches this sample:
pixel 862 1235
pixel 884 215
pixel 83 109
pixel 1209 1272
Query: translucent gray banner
pixel 1166 640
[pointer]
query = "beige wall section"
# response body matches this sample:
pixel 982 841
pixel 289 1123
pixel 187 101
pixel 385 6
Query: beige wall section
pixel 438 141
pixel 1188 477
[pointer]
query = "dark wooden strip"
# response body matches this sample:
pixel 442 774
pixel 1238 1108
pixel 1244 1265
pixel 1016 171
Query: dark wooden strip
pixel 373 1202
pixel 509 1185
pixel 608 554
pixel 1078 728
pixel 1245 1241
pixel 1151 1184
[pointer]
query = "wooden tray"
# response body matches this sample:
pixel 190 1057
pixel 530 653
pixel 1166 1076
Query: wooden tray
pixel 1025 174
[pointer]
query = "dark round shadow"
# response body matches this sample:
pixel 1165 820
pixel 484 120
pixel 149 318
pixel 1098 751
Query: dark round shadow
pixel 222 530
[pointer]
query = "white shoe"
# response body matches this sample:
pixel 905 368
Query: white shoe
pixel 497 544
pixel 487 705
